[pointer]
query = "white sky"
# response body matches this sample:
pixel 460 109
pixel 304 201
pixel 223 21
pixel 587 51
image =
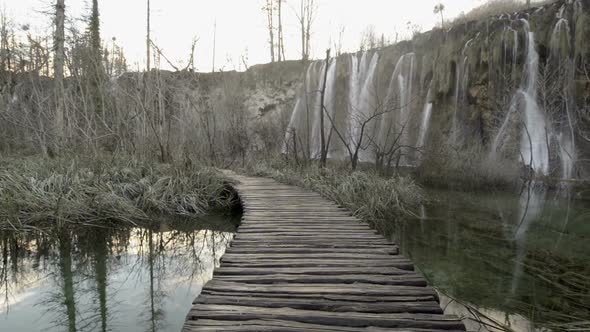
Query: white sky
pixel 241 25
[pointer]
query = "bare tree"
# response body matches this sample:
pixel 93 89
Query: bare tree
pixel 306 16
pixel 58 65
pixel 323 147
pixel 268 8
pixel 281 47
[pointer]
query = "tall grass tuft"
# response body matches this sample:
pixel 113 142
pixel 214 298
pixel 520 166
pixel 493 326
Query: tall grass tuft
pixel 36 192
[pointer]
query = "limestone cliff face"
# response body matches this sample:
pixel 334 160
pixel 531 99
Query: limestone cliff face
pixel 516 85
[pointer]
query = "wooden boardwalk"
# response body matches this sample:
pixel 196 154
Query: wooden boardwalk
pixel 299 262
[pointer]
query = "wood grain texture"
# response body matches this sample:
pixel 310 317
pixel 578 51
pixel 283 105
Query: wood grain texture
pixel 300 262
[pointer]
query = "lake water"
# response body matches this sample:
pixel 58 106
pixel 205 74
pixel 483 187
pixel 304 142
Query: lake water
pixel 521 260
pixel 102 279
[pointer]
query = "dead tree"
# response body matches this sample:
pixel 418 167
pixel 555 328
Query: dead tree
pixel 281 45
pixel 324 149
pixel 306 17
pixel 268 8
pixel 58 66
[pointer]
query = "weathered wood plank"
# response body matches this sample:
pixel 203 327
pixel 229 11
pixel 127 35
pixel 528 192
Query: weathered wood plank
pixel 349 319
pixel 403 280
pixel 327 271
pixel 206 325
pixel 332 306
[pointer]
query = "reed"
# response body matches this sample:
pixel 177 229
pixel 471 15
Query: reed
pixel 37 192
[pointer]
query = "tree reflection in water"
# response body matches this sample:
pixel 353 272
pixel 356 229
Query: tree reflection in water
pixel 106 279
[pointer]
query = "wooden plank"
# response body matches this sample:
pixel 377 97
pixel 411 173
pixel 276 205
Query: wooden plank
pixel 348 319
pixel 327 271
pixel 206 325
pixel 403 280
pixel 332 306
pixel 328 297
pixel 258 249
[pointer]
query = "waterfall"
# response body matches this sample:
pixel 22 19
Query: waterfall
pixel 299 121
pixel 329 99
pixel 299 115
pixel 461 81
pixel 426 113
pixel 361 94
pixel 395 124
pixel 533 142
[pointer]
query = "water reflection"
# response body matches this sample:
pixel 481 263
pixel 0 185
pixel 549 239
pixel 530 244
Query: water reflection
pixel 521 258
pixel 104 279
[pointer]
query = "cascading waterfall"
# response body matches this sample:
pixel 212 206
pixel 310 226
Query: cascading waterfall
pixel 533 143
pixel 329 101
pixel 361 96
pixel 461 81
pixel 396 122
pixel 426 113
pixel 302 112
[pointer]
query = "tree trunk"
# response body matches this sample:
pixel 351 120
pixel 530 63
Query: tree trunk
pixel 324 152
pixel 281 46
pixel 58 64
pixel 269 16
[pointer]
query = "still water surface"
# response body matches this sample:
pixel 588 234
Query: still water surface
pixel 102 279
pixel 522 259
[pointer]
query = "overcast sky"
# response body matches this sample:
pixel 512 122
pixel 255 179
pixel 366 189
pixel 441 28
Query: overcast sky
pixel 241 25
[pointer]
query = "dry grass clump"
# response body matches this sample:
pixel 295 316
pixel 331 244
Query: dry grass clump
pixel 373 198
pixel 37 192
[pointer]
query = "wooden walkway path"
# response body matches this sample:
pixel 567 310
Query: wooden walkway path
pixel 301 263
